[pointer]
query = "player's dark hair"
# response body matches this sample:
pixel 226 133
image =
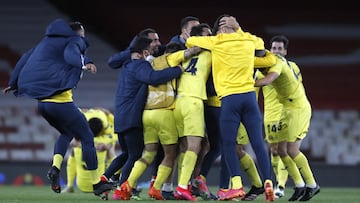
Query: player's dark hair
pixel 140 44
pixel 217 23
pixel 96 126
pixel 280 38
pixel 198 29
pixel 76 26
pixel 184 22
pixel 145 32
pixel 172 47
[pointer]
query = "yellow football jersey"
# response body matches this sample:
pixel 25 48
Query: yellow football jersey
pixel 232 60
pixel 193 81
pixel 288 85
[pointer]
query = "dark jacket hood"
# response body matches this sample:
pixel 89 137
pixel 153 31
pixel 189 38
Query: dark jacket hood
pixel 59 27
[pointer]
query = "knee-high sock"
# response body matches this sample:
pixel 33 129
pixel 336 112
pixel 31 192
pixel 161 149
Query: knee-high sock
pixel 303 164
pixel 180 161
pixel 293 171
pixel 267 181
pixel 162 174
pixel 187 168
pixel 275 165
pixel 70 171
pixel 282 174
pixel 280 171
pixel 248 165
pixel 236 182
pixel 136 172
pixel 57 160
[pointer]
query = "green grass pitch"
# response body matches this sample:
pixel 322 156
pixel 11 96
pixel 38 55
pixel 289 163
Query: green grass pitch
pixel 43 194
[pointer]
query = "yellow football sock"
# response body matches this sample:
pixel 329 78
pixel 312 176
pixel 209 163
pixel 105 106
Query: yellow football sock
pixel 268 181
pixel 293 171
pixel 187 168
pixel 70 171
pixel 180 160
pixel 236 182
pixel 162 174
pixel 248 165
pixel 282 174
pixel 57 160
pixel 137 170
pixel 303 164
pixel 275 165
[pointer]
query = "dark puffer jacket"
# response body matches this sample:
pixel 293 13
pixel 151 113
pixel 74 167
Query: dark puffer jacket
pixel 53 66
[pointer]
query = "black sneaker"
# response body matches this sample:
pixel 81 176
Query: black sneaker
pixel 102 188
pixel 213 197
pixel 309 193
pixel 195 191
pixel 298 192
pixel 168 195
pixel 115 179
pixel 135 193
pixel 54 176
pixel 253 193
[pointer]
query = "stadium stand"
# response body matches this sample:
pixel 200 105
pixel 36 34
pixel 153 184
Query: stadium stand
pixel 24 135
pixel 23 25
pixel 327 54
